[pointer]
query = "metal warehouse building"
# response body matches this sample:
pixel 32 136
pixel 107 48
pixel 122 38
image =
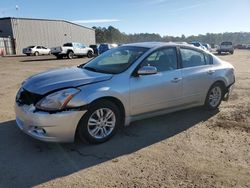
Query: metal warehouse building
pixel 49 33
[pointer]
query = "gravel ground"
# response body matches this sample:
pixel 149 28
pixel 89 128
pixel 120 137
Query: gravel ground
pixel 191 148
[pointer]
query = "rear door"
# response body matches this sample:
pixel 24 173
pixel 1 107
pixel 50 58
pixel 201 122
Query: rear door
pixel 77 48
pixel 158 91
pixel 197 74
pixel 39 50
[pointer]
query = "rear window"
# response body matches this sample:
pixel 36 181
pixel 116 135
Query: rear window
pixel 226 43
pixel 68 44
pixel 30 46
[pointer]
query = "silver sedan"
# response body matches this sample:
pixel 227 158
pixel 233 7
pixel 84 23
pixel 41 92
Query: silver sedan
pixel 125 84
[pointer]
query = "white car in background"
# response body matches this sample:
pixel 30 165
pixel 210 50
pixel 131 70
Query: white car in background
pixel 36 50
pixel 72 49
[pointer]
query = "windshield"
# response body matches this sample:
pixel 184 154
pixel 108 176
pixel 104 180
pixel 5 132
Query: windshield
pixel 116 60
pixel 226 43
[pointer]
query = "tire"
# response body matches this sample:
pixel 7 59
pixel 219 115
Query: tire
pixel 219 52
pixel 214 96
pixel 70 55
pixel 36 54
pixel 91 128
pixel 90 54
pixel 232 52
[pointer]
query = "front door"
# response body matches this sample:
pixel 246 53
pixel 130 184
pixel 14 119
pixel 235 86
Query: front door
pixel 158 91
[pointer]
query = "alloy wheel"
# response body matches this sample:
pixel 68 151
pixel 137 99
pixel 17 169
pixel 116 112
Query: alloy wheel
pixel 101 123
pixel 215 96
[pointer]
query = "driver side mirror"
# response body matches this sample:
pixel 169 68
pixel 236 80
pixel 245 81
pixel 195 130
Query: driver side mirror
pixel 147 70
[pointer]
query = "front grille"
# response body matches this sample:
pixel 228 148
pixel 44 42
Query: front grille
pixel 26 97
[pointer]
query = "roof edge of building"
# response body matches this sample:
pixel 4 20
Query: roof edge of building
pixel 6 18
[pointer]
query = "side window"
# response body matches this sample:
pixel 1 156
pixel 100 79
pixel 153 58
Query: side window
pixel 163 60
pixel 38 47
pixel 192 58
pixel 209 59
pixel 43 47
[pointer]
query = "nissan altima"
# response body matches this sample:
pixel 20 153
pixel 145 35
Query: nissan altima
pixel 124 84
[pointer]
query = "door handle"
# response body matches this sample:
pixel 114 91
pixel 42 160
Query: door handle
pixel 211 71
pixel 175 80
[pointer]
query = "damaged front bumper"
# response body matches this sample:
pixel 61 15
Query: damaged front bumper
pixel 45 126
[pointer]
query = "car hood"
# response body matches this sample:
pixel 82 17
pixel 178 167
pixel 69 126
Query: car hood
pixel 62 78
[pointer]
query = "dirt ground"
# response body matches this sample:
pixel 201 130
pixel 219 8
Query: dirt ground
pixel 191 148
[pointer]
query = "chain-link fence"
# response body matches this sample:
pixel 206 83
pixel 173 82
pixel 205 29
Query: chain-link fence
pixel 7 46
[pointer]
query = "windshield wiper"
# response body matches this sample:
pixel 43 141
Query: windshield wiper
pixel 95 70
pixel 91 69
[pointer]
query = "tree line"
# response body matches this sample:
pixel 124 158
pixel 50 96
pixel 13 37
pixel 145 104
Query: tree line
pixel 113 35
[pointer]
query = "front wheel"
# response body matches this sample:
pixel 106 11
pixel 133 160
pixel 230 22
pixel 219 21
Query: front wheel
pixel 100 122
pixel 214 96
pixel 90 54
pixel 70 55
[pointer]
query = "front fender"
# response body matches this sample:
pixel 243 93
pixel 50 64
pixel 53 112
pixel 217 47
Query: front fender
pixel 95 91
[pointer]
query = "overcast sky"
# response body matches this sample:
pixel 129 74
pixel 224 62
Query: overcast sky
pixel 166 17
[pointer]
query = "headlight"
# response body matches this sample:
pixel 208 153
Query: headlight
pixel 58 100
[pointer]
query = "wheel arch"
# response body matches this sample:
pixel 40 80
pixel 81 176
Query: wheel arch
pixel 222 82
pixel 70 50
pixel 114 100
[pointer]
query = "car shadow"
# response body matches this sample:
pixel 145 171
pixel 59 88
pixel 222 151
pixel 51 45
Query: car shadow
pixel 26 162
pixel 44 59
pixel 47 59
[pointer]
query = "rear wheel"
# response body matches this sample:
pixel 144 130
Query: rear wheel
pixel 100 122
pixel 232 52
pixel 90 54
pixel 214 96
pixel 36 53
pixel 70 55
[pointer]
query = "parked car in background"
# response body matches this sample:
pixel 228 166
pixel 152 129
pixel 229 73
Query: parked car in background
pixel 128 83
pixel 36 50
pixel 198 44
pixel 94 48
pixel 240 46
pixel 226 47
pixel 70 50
pixel 207 46
pixel 105 47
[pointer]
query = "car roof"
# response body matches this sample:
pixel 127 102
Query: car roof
pixel 157 44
